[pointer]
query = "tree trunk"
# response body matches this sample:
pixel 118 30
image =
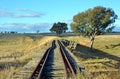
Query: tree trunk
pixel 93 38
pixel 91 42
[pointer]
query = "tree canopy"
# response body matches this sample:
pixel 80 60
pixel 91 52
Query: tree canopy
pixel 59 28
pixel 94 22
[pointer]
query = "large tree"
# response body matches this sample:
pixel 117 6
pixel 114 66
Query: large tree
pixel 59 28
pixel 94 22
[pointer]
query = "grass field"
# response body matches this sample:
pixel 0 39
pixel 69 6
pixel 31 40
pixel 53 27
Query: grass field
pixel 18 49
pixel 104 61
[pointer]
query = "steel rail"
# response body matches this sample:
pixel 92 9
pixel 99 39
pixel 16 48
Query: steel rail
pixel 69 69
pixel 39 68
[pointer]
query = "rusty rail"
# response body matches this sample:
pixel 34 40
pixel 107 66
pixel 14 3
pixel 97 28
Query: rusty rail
pixel 69 70
pixel 39 68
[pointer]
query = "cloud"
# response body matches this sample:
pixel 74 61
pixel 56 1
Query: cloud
pixel 25 27
pixel 6 14
pixel 69 21
pixel 22 9
pixel 13 15
pixel 20 13
pixel 28 15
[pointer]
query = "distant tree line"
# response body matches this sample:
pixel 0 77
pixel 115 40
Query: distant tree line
pixel 8 32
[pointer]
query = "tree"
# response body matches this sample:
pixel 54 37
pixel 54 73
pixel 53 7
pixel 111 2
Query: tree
pixel 93 22
pixel 37 31
pixel 59 28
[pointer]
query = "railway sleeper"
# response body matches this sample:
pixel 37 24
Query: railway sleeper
pixel 54 74
pixel 53 69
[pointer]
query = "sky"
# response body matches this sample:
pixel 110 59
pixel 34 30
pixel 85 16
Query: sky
pixel 31 15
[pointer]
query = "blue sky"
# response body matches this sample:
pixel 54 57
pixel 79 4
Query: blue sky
pixel 32 15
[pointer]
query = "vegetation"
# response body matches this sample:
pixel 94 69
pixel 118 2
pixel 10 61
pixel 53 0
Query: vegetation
pixel 16 50
pixel 59 28
pixel 94 22
pixel 104 63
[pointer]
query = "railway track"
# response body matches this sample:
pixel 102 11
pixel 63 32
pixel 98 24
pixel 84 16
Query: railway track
pixel 54 64
pixel 69 70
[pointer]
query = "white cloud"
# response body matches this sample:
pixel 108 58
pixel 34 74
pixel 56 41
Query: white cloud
pixel 6 14
pixel 27 15
pixel 20 13
pixel 21 9
pixel 9 14
pixel 68 21
pixel 25 27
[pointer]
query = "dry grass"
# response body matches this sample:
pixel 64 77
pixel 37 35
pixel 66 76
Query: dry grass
pixel 104 62
pixel 16 50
